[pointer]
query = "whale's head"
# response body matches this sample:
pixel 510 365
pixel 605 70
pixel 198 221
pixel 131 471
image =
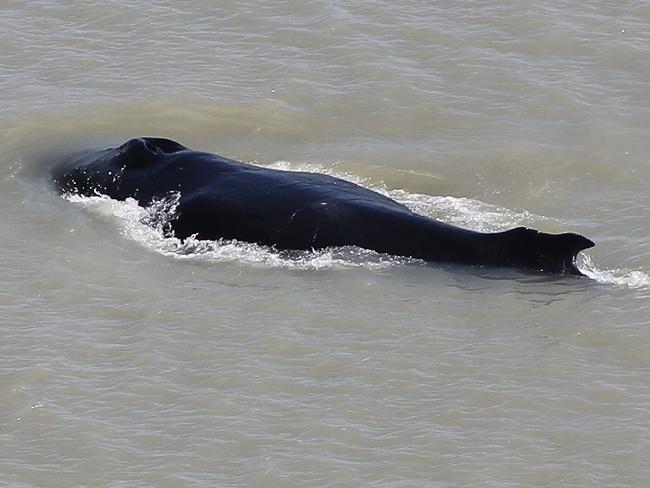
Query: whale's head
pixel 110 171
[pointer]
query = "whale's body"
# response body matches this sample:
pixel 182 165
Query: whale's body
pixel 225 199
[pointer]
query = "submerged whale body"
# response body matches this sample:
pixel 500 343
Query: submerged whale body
pixel 225 199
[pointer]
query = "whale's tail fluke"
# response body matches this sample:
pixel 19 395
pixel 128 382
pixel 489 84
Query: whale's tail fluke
pixel 548 253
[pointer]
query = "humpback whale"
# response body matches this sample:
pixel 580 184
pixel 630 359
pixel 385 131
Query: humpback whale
pixel 220 198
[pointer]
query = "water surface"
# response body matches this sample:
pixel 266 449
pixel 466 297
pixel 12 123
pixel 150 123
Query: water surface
pixel 128 359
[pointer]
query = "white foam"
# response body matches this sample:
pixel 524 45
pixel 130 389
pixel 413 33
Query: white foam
pixel 621 277
pixel 147 226
pixel 464 212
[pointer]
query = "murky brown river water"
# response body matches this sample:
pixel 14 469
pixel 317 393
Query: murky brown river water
pixel 127 359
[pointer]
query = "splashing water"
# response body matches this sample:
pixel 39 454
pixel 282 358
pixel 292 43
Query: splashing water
pixel 464 212
pixel 150 227
pixel 621 277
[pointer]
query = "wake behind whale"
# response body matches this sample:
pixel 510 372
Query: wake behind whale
pixel 219 198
